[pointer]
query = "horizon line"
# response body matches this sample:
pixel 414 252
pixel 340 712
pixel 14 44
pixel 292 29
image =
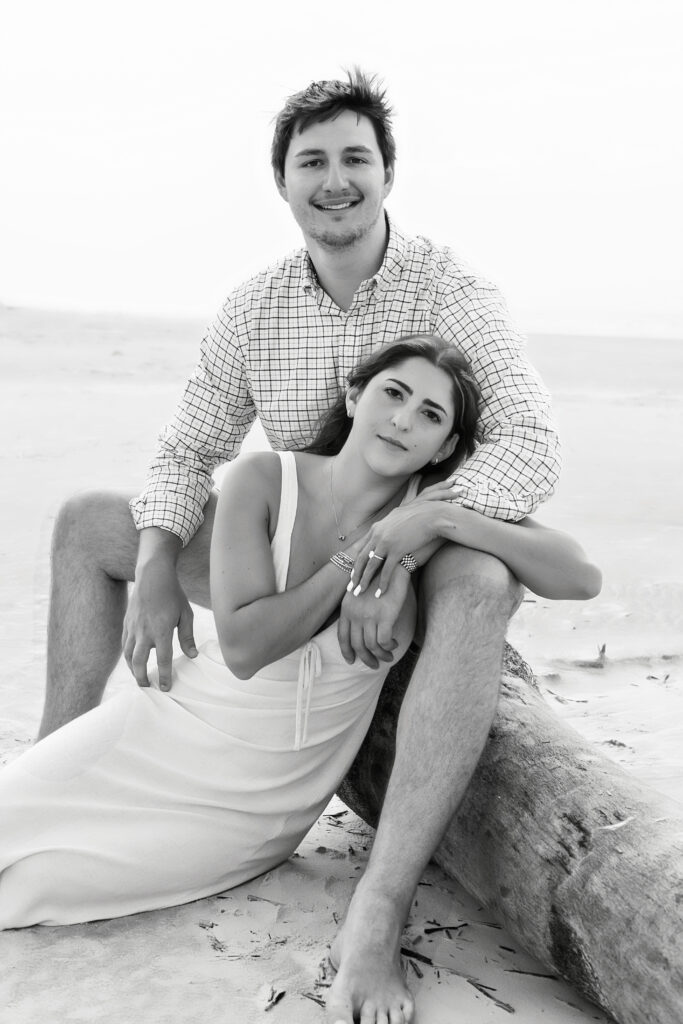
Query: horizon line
pixel 642 334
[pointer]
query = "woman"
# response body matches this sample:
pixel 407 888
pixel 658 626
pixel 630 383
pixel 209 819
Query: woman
pixel 157 798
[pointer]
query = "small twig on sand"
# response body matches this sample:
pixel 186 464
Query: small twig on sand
pixel 316 999
pixel 446 928
pixel 598 662
pixel 417 970
pixel 485 990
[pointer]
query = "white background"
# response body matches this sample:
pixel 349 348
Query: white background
pixel 541 139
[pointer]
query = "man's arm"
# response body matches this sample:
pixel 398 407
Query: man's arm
pixel 517 464
pixel 515 467
pixel 209 424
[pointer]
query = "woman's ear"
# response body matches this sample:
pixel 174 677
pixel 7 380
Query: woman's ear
pixel 351 399
pixel 446 449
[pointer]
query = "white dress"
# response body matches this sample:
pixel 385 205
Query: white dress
pixel 154 799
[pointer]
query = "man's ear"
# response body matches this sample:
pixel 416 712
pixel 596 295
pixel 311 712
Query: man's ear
pixel 280 184
pixel 388 180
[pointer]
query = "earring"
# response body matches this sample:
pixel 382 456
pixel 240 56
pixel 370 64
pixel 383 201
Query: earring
pixel 435 460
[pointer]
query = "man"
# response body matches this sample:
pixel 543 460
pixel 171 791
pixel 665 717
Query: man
pixel 280 348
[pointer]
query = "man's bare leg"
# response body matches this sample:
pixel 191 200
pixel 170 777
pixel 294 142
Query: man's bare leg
pixel 94 549
pixel 444 722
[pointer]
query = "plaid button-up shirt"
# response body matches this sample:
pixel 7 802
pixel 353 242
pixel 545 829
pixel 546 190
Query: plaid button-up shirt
pixel 280 349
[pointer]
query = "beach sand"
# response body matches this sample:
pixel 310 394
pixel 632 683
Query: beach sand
pixel 82 399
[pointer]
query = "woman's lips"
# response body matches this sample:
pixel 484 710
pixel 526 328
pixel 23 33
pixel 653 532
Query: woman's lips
pixel 392 442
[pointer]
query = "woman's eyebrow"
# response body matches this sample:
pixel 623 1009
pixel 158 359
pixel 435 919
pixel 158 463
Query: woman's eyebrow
pixel 427 401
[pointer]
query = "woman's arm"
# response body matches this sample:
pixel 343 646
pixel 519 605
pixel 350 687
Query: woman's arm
pixel 255 625
pixel 550 563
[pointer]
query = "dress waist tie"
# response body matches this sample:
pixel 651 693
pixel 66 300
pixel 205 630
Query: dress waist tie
pixel 310 667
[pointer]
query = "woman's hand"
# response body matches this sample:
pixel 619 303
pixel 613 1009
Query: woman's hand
pixel 366 626
pixel 407 528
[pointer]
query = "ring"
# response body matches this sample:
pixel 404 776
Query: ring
pixel 408 562
pixel 380 558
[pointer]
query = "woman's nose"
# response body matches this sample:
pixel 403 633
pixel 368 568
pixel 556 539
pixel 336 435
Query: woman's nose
pixel 401 419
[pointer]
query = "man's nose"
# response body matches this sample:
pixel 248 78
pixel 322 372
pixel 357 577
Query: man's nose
pixel 335 179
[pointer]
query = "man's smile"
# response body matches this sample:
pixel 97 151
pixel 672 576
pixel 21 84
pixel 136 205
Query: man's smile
pixel 335 205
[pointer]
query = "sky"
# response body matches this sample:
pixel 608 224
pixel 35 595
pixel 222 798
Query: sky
pixel 542 141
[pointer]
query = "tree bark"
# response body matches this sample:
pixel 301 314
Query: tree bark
pixel 583 864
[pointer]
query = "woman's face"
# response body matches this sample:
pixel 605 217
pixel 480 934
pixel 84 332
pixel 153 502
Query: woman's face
pixel 403 417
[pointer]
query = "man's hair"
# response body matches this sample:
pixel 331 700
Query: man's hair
pixel 323 101
pixel 335 426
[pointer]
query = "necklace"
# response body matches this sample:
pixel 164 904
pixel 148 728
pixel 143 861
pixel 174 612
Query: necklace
pixel 340 534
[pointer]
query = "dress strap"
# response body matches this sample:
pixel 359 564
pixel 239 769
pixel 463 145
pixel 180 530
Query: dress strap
pixel 282 540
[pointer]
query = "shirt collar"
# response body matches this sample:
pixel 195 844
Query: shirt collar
pixel 390 269
pixel 309 278
pixel 394 257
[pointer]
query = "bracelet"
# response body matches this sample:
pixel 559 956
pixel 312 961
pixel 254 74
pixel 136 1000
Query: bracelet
pixel 408 562
pixel 343 562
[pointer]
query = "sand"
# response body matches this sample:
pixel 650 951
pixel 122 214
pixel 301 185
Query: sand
pixel 82 398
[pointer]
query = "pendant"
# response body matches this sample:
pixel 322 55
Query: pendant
pixel 341 537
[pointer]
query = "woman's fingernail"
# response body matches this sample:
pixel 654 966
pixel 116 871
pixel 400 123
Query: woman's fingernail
pixel 357 591
pixel 378 592
pixel 350 587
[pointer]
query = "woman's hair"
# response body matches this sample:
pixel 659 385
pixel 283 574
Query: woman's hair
pixel 335 426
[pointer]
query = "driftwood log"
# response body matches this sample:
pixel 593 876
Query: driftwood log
pixel 583 864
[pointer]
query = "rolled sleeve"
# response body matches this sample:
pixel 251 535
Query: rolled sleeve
pixel 517 462
pixel 209 424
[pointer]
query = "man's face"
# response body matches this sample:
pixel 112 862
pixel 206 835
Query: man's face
pixel 335 181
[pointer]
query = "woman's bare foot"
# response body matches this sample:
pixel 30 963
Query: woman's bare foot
pixel 369 986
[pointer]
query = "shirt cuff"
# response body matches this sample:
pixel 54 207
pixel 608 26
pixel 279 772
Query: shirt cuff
pixel 166 515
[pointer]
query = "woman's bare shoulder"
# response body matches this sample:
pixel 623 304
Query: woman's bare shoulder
pixel 263 467
pixel 252 484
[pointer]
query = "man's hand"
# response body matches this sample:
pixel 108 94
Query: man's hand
pixel 407 529
pixel 157 608
pixel 366 623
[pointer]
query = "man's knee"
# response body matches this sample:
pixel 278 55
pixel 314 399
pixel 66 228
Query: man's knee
pixel 475 578
pixel 97 526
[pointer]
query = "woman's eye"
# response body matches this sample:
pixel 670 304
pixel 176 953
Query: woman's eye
pixel 393 392
pixel 434 416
